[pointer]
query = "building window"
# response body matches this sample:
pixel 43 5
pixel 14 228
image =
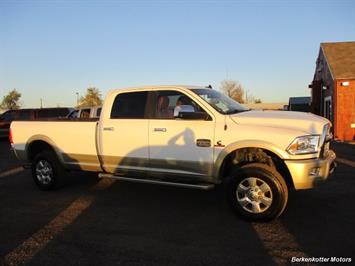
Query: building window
pixel 328 107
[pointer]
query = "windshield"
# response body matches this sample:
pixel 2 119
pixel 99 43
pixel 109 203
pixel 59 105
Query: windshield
pixel 220 102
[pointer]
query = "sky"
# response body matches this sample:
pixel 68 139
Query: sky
pixel 51 50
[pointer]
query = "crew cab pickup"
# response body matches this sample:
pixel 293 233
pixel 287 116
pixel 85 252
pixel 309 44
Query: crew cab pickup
pixel 185 136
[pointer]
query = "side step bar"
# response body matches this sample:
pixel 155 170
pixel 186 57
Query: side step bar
pixel 158 182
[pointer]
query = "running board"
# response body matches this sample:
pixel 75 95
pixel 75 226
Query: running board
pixel 158 182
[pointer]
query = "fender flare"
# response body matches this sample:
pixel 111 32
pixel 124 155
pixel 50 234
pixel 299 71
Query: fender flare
pixel 246 144
pixel 47 140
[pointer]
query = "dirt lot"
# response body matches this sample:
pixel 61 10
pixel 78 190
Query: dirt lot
pixel 94 221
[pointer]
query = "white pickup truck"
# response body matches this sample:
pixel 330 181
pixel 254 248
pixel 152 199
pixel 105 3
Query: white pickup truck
pixel 185 136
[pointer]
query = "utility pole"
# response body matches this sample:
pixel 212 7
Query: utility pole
pixel 41 103
pixel 77 98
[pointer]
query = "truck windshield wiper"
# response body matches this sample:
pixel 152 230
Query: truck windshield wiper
pixel 235 111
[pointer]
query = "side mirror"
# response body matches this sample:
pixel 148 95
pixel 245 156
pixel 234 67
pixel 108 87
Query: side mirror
pixel 188 112
pixel 183 109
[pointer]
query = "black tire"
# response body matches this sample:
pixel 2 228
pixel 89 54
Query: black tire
pixel 53 178
pixel 248 200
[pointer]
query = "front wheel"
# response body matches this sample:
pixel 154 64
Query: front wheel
pixel 257 192
pixel 47 172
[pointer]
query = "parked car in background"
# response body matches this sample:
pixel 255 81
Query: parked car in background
pixel 86 112
pixel 29 114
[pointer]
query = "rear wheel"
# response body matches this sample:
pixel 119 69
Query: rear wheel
pixel 47 172
pixel 257 192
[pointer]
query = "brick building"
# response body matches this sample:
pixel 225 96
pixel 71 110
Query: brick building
pixel 333 87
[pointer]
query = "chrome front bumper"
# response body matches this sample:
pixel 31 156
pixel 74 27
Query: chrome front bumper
pixel 307 173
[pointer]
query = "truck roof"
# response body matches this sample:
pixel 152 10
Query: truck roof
pixel 189 87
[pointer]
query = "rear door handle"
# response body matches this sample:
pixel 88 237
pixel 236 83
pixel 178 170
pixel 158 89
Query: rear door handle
pixel 159 129
pixel 109 128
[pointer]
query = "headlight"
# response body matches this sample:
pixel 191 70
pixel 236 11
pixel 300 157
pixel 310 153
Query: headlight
pixel 304 145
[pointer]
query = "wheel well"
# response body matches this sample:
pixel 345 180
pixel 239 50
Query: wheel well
pixel 244 156
pixel 36 147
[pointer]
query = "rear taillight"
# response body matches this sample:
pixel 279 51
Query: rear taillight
pixel 10 137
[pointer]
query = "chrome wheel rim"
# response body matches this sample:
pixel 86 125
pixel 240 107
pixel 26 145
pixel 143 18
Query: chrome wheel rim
pixel 44 172
pixel 254 195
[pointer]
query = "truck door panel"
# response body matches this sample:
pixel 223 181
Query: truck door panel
pixel 124 136
pixel 178 146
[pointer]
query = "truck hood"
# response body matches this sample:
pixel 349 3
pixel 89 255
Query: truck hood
pixel 306 122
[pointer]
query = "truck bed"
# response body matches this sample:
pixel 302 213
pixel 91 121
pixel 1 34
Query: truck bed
pixel 74 140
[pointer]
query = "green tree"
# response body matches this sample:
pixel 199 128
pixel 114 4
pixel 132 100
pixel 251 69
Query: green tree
pixel 92 98
pixel 11 100
pixel 233 89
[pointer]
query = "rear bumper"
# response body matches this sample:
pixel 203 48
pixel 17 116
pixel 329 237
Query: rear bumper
pixel 308 173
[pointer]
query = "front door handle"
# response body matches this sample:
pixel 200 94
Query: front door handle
pixel 109 128
pixel 159 129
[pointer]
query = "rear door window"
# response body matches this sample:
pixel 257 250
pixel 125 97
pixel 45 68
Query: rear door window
pixel 60 112
pixel 44 113
pixel 51 113
pixel 129 105
pixel 24 115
